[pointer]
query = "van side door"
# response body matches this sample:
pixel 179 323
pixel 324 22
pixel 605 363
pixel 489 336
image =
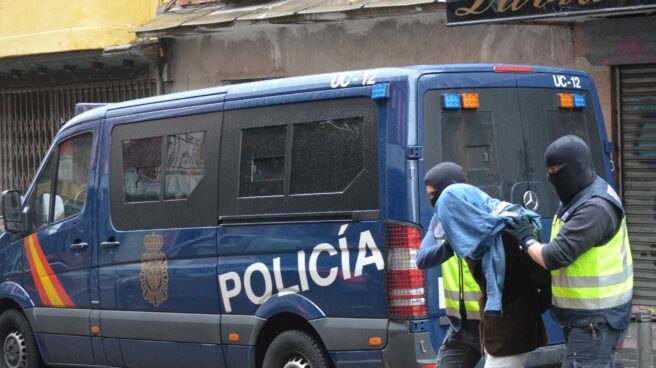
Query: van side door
pixel 58 247
pixel 157 230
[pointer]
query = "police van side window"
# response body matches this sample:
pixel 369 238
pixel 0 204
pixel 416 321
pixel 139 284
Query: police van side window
pixel 315 158
pixel 327 155
pixel 262 169
pixel 142 168
pixel 72 160
pixel 72 176
pixel 160 177
pixel 38 211
pixel 185 164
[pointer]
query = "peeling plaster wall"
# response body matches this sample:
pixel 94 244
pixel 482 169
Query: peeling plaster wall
pixel 289 50
pixel 208 60
pixel 280 51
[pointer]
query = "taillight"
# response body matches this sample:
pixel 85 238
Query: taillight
pixel 512 69
pixel 406 291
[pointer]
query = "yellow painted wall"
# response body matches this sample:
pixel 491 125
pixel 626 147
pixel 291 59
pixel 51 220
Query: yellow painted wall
pixel 44 26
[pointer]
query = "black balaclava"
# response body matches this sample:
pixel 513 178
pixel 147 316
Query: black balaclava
pixel 572 155
pixel 442 175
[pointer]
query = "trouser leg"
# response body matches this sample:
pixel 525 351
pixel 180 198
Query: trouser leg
pixel 458 351
pixel 591 346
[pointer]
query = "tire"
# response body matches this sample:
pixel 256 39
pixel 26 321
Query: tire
pixel 296 349
pixel 17 345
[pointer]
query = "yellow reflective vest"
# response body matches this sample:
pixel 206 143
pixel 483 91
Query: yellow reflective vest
pixel 600 278
pixel 452 270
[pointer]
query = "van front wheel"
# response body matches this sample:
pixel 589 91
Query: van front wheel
pixel 18 349
pixel 296 349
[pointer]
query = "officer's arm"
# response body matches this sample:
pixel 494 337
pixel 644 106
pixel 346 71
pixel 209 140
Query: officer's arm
pixel 593 223
pixel 433 251
pixel 535 252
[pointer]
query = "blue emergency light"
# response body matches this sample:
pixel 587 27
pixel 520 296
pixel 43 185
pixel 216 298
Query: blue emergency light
pixel 380 91
pixel 579 101
pixel 451 101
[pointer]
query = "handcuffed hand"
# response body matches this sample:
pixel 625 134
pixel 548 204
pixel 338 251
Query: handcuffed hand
pixel 522 230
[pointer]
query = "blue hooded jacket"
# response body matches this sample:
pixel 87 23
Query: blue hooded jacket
pixel 472 222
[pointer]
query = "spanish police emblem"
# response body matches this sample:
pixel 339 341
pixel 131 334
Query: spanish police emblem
pixel 154 275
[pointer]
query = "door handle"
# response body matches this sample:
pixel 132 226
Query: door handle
pixel 110 244
pixel 79 246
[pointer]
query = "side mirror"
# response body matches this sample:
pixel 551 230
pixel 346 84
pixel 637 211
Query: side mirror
pixel 11 211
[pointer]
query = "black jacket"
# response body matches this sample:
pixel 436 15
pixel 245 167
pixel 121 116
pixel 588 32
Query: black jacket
pixel 526 294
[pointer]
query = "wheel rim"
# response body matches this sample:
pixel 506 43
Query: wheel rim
pixel 297 361
pixel 15 350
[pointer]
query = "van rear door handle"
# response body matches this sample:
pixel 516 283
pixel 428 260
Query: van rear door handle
pixel 110 244
pixel 79 246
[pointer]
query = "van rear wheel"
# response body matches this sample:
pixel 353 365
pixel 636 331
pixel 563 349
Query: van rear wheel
pixel 296 349
pixel 18 349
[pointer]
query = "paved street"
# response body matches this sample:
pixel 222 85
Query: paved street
pixel 628 356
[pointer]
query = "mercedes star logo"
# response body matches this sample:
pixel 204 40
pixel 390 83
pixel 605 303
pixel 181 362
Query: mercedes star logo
pixel 531 200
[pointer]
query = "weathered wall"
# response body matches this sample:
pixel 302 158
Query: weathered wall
pixel 201 61
pixel 248 53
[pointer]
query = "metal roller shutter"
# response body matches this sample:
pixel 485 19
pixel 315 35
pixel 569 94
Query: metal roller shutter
pixel 30 118
pixel 638 164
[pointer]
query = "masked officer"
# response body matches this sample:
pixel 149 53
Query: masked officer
pixel 589 256
pixel 461 346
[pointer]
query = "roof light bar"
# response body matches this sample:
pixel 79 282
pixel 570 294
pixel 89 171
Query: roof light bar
pixel 579 101
pixel 451 101
pixel 566 100
pixel 470 101
pixel 380 91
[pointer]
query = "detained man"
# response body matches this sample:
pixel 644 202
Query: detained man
pixel 511 301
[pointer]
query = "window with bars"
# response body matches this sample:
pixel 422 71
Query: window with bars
pixel 30 118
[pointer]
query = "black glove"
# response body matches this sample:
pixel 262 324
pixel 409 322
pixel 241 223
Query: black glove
pixel 521 229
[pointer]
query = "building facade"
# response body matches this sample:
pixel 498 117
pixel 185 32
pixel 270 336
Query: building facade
pixel 55 54
pixel 211 43
pixel 112 51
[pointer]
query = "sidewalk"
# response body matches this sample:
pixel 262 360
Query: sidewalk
pixel 628 356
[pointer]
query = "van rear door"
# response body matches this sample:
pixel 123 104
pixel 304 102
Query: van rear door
pixel 487 142
pixel 544 121
pixel 501 143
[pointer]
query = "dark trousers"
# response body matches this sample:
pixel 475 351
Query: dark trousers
pixel 459 349
pixel 592 346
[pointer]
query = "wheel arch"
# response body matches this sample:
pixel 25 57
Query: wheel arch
pixel 12 295
pixel 282 313
pixel 277 324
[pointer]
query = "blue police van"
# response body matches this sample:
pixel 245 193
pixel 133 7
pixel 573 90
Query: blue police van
pixel 274 223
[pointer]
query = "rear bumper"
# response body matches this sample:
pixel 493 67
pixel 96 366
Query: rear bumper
pixel 405 348
pixel 414 350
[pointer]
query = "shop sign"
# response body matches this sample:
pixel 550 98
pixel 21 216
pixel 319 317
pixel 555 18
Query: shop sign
pixel 489 11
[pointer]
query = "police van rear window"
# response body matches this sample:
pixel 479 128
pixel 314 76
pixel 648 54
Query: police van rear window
pixel 501 142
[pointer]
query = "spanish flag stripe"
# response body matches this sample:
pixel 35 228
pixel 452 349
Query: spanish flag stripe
pixel 35 274
pixel 62 295
pixel 46 283
pixel 54 290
